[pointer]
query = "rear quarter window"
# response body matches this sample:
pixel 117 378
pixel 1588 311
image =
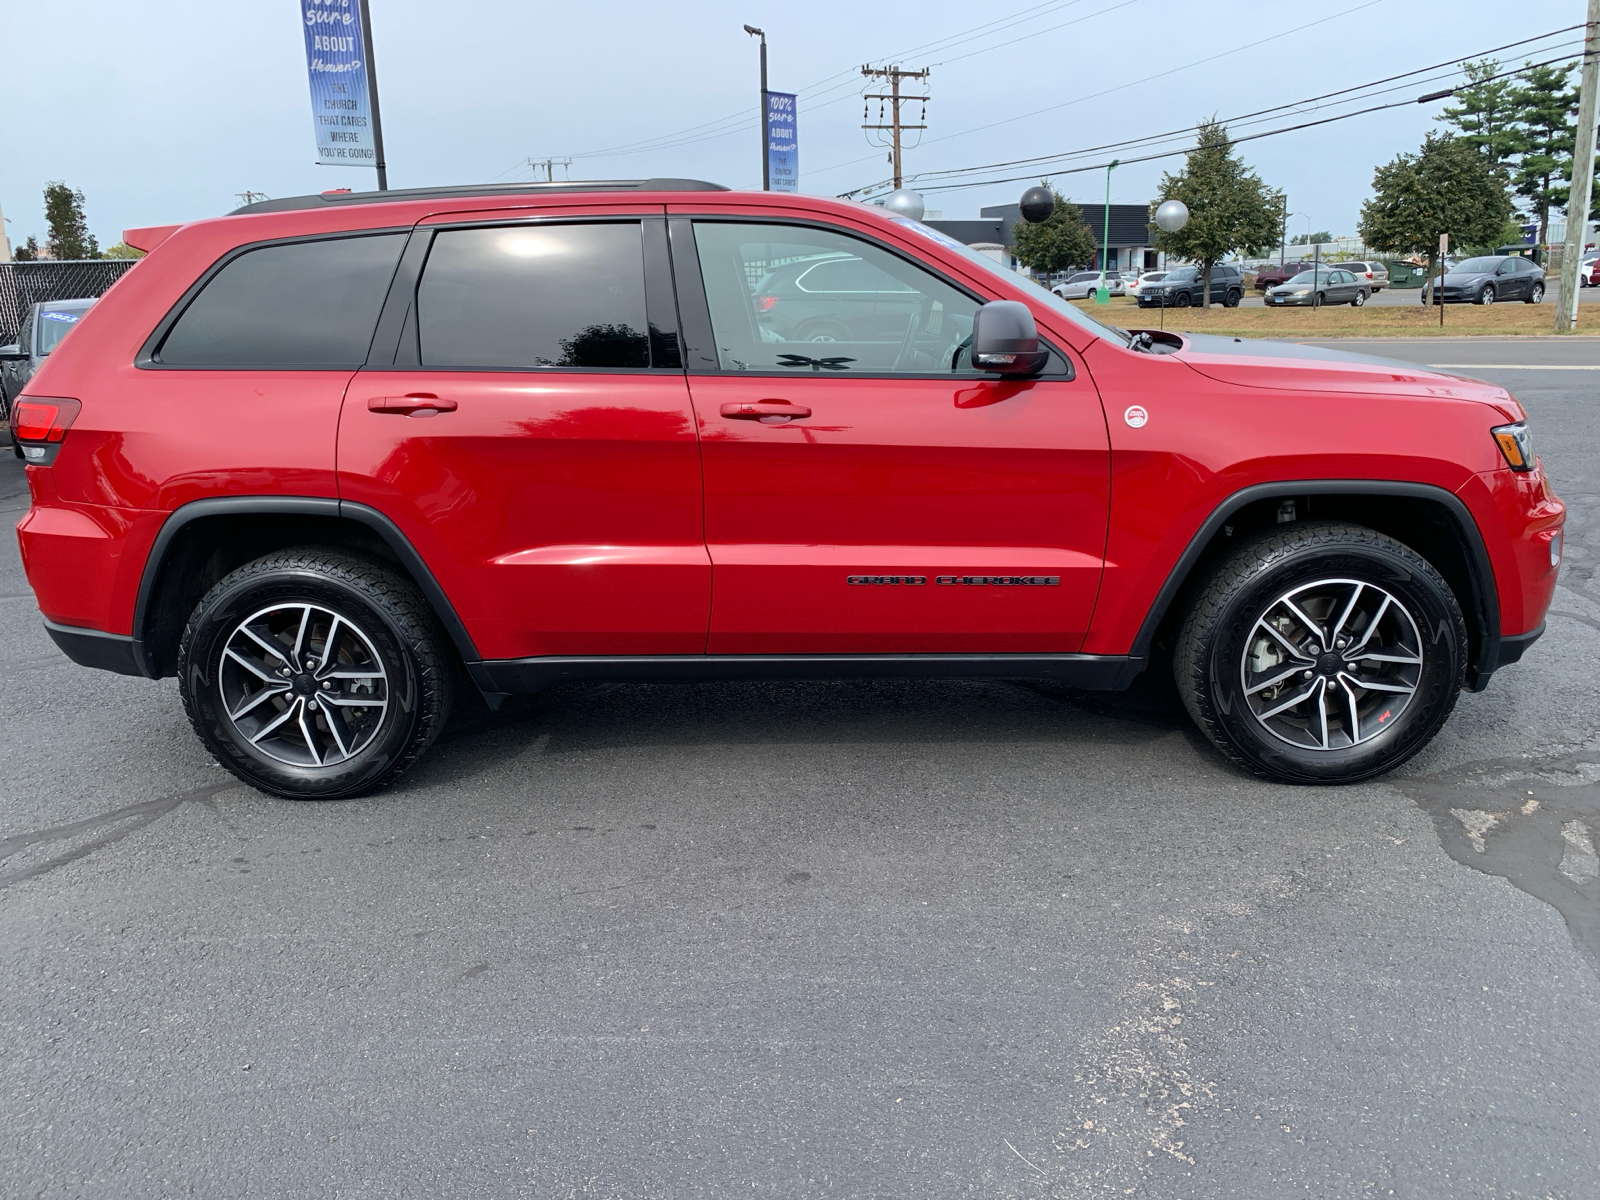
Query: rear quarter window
pixel 296 304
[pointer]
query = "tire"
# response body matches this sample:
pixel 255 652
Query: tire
pixel 1316 301
pixel 1223 645
pixel 1184 300
pixel 1537 294
pixel 1361 299
pixel 1485 295
pixel 1231 300
pixel 392 691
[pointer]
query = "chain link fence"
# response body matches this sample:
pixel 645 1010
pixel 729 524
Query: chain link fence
pixel 23 284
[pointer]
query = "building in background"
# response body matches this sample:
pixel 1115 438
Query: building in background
pixel 1131 238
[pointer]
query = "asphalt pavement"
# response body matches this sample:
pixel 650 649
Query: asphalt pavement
pixel 816 940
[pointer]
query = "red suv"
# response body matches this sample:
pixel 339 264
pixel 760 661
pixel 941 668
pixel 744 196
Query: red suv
pixel 334 460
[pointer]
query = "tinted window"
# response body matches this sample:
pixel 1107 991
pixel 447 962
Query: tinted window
pixel 306 304
pixel 535 296
pixel 786 299
pixel 1479 266
pixel 1183 275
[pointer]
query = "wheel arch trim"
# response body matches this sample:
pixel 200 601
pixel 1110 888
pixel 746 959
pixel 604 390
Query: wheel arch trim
pixel 315 506
pixel 1485 594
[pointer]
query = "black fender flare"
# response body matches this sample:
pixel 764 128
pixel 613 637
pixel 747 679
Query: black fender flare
pixel 1480 571
pixel 315 506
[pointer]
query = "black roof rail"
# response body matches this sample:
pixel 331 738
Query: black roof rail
pixel 288 203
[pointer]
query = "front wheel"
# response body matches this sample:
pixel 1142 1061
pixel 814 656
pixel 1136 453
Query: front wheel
pixel 1324 653
pixel 1486 296
pixel 1183 300
pixel 1316 301
pixel 312 674
pixel 1535 296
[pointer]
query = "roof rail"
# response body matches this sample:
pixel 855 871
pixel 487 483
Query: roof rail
pixel 343 196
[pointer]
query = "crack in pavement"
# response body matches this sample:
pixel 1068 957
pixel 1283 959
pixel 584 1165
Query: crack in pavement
pixel 128 819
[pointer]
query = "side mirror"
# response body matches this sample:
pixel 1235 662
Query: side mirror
pixel 13 353
pixel 1005 340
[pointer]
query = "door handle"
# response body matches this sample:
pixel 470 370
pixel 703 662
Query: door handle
pixel 414 404
pixel 768 412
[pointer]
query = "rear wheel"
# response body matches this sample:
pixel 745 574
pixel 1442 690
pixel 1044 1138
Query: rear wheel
pixel 312 674
pixel 1361 298
pixel 1232 299
pixel 1325 653
pixel 1537 294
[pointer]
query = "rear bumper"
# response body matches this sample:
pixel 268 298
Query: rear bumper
pixel 92 648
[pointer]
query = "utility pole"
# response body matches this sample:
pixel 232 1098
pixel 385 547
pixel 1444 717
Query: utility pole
pixel 1582 177
pixel 249 197
pixel 761 125
pixel 548 166
pixel 896 127
pixel 372 98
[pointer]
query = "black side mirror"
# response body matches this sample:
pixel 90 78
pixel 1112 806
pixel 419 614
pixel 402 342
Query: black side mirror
pixel 1005 340
pixel 13 353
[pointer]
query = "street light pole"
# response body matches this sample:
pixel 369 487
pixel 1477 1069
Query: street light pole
pixel 1582 177
pixel 372 98
pixel 1102 293
pixel 766 162
pixel 1283 244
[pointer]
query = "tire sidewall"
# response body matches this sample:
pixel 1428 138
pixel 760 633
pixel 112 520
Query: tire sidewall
pixel 1439 625
pixel 234 600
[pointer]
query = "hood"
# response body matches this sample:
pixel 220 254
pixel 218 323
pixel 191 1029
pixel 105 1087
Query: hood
pixel 1463 276
pixel 1291 366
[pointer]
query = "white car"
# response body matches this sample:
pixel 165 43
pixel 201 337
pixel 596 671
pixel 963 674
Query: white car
pixel 1137 287
pixel 1082 285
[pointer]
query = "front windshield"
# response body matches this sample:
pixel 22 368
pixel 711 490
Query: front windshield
pixel 1071 311
pixel 1183 274
pixel 1478 266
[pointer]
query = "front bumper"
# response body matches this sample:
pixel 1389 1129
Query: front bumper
pixel 1288 301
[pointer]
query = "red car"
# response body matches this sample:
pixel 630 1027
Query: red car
pixel 335 460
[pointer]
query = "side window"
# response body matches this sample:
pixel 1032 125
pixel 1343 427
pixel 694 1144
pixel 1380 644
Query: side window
pixel 556 296
pixel 301 304
pixel 789 298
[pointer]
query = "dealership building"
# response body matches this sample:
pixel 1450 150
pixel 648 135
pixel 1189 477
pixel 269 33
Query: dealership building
pixel 1130 241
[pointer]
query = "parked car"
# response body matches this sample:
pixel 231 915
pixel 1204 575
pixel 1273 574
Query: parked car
pixel 1137 287
pixel 350 459
pixel 1183 287
pixel 1084 284
pixel 1272 276
pixel 43 327
pixel 1316 288
pixel 1490 278
pixel 1375 273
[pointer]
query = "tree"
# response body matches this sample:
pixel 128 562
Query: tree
pixel 1230 209
pixel 122 250
pixel 1311 239
pixel 1446 187
pixel 28 251
pixel 1058 243
pixel 69 230
pixel 1547 105
pixel 1488 113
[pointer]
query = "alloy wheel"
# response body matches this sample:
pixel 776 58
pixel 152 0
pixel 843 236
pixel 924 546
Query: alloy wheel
pixel 303 685
pixel 1331 664
pixel 1486 296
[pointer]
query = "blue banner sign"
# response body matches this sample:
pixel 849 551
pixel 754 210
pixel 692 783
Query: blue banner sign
pixel 783 143
pixel 337 63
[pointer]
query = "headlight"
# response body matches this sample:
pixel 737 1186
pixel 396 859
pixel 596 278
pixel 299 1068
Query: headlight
pixel 1301 292
pixel 1516 444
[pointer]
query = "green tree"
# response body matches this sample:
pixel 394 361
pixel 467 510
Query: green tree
pixel 1230 209
pixel 1446 187
pixel 1311 239
pixel 1058 243
pixel 1547 104
pixel 69 230
pixel 122 250
pixel 28 251
pixel 1488 113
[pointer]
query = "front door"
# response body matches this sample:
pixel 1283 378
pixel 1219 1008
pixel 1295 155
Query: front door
pixel 866 490
pixel 533 436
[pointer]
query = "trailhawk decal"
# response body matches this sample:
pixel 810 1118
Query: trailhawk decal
pixel 954 580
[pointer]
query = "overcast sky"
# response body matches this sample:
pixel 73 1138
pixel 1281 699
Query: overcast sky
pixel 161 112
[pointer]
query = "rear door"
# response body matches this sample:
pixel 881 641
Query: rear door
pixel 526 422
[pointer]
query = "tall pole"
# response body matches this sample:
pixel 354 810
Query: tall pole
pixel 372 97
pixel 896 127
pixel 1283 244
pixel 1582 177
pixel 895 88
pixel 766 159
pixel 1102 294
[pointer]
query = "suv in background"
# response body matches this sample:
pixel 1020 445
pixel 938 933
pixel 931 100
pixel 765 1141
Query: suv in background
pixel 1272 276
pixel 1373 272
pixel 1182 288
pixel 341 462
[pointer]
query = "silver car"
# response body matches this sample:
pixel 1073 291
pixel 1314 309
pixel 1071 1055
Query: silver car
pixel 1083 285
pixel 1316 288
pixel 1373 272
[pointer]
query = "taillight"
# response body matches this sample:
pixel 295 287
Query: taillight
pixel 38 423
pixel 766 303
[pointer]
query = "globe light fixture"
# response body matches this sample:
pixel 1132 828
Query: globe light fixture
pixel 1037 204
pixel 1171 215
pixel 905 203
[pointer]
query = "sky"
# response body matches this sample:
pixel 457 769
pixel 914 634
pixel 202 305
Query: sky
pixel 163 113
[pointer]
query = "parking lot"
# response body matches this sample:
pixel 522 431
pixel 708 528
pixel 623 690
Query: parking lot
pixel 831 940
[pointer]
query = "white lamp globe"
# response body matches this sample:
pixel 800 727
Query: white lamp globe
pixel 905 203
pixel 1171 216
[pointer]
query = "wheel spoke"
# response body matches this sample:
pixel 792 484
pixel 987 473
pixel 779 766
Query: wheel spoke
pixel 288 712
pixel 1355 713
pixel 1348 609
pixel 1311 625
pixel 254 701
pixel 1322 710
pixel 351 673
pixel 1372 626
pixel 1288 704
pixel 330 645
pixel 300 637
pixel 1276 679
pixel 340 731
pixel 270 646
pixel 311 741
pixel 266 676
pixel 1407 659
pixel 353 701
pixel 1294 650
pixel 1379 687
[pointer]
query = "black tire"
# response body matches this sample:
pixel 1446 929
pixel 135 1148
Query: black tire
pixel 1361 299
pixel 1220 629
pixel 1316 301
pixel 394 631
pixel 1485 294
pixel 1184 300
pixel 1232 299
pixel 1537 294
